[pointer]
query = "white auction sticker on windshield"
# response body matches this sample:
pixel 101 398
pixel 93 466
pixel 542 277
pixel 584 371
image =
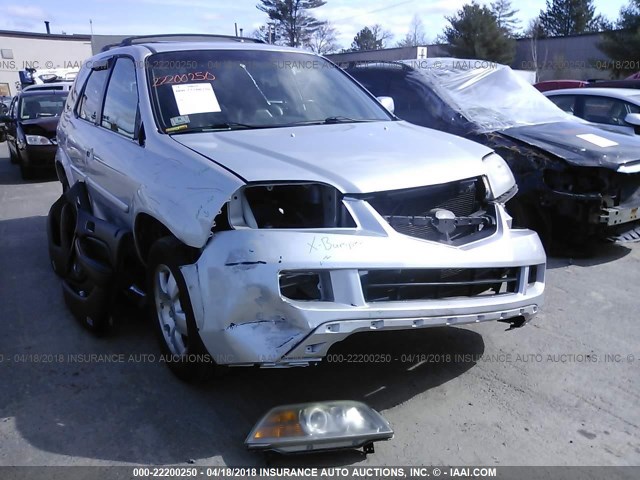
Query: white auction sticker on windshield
pixel 194 98
pixel 597 140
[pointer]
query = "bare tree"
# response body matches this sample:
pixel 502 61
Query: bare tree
pixel 535 32
pixel 381 34
pixel 324 39
pixel 415 36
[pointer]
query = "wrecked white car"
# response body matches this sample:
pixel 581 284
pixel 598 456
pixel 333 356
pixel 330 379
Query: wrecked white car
pixel 267 207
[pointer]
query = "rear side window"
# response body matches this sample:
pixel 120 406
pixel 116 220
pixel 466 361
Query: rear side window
pixel 604 110
pixel 376 81
pixel 91 100
pixel 121 99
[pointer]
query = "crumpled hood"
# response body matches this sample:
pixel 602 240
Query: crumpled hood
pixel 355 157
pixel 600 147
pixel 45 126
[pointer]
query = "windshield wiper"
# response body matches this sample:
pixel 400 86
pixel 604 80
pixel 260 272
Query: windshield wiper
pixel 343 119
pixel 212 127
pixel 331 121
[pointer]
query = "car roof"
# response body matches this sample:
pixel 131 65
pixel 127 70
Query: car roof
pixel 48 86
pixel 33 93
pixel 619 93
pixel 173 46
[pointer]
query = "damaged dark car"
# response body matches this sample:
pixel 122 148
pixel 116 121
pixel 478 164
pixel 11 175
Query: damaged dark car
pixel 30 130
pixel 577 182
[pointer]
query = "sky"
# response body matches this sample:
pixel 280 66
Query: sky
pixel 140 17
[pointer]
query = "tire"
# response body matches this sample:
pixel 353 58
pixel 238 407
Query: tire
pixel 58 251
pixel 172 315
pixel 89 303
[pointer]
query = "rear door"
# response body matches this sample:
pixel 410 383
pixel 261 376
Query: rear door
pixel 116 152
pixel 82 137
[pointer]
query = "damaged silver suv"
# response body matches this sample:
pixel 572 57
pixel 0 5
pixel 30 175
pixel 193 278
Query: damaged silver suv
pixel 265 206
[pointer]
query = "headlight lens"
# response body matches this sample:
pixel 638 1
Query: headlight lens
pixel 318 426
pixel 501 181
pixel 38 140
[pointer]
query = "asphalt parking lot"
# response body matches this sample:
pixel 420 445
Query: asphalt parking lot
pixel 563 390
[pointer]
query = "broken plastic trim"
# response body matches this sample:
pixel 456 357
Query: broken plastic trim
pixel 306 285
pixel 288 206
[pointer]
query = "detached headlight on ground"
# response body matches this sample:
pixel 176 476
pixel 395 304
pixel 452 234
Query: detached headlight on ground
pixel 312 427
pixel 501 181
pixel 37 140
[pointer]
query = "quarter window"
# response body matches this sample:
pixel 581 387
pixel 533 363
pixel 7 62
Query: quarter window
pixel 91 99
pixel 566 103
pixel 121 100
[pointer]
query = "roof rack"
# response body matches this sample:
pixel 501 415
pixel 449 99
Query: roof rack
pixel 179 37
pixel 372 64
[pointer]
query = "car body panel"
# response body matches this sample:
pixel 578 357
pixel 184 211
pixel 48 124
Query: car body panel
pixel 335 154
pixel 579 144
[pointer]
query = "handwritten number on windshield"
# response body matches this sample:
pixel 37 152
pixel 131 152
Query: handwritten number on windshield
pixel 183 78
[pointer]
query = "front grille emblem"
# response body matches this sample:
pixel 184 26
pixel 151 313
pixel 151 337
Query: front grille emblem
pixel 444 221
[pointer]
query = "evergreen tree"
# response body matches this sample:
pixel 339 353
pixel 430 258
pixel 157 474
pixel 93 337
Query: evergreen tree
pixel 505 16
pixel 373 38
pixel 623 44
pixel 474 33
pixel 292 19
pixel 570 17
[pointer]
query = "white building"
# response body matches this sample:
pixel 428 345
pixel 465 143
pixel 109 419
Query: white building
pixel 42 51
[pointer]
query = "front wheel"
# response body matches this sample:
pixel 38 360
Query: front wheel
pixel 172 314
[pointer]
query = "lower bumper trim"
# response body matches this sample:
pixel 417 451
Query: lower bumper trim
pixel 316 345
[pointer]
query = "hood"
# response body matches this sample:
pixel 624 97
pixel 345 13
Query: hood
pixel 580 144
pixel 354 158
pixel 44 126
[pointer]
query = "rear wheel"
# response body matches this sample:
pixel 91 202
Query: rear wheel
pixel 60 234
pixel 172 314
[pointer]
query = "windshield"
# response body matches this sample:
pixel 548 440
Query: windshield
pixel 37 106
pixel 214 89
pixel 491 95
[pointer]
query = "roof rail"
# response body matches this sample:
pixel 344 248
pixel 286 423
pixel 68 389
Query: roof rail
pixel 179 37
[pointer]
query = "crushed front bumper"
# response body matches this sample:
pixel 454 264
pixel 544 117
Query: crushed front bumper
pixel 244 319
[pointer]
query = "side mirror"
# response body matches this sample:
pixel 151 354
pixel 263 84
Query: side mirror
pixel 633 119
pixel 387 102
